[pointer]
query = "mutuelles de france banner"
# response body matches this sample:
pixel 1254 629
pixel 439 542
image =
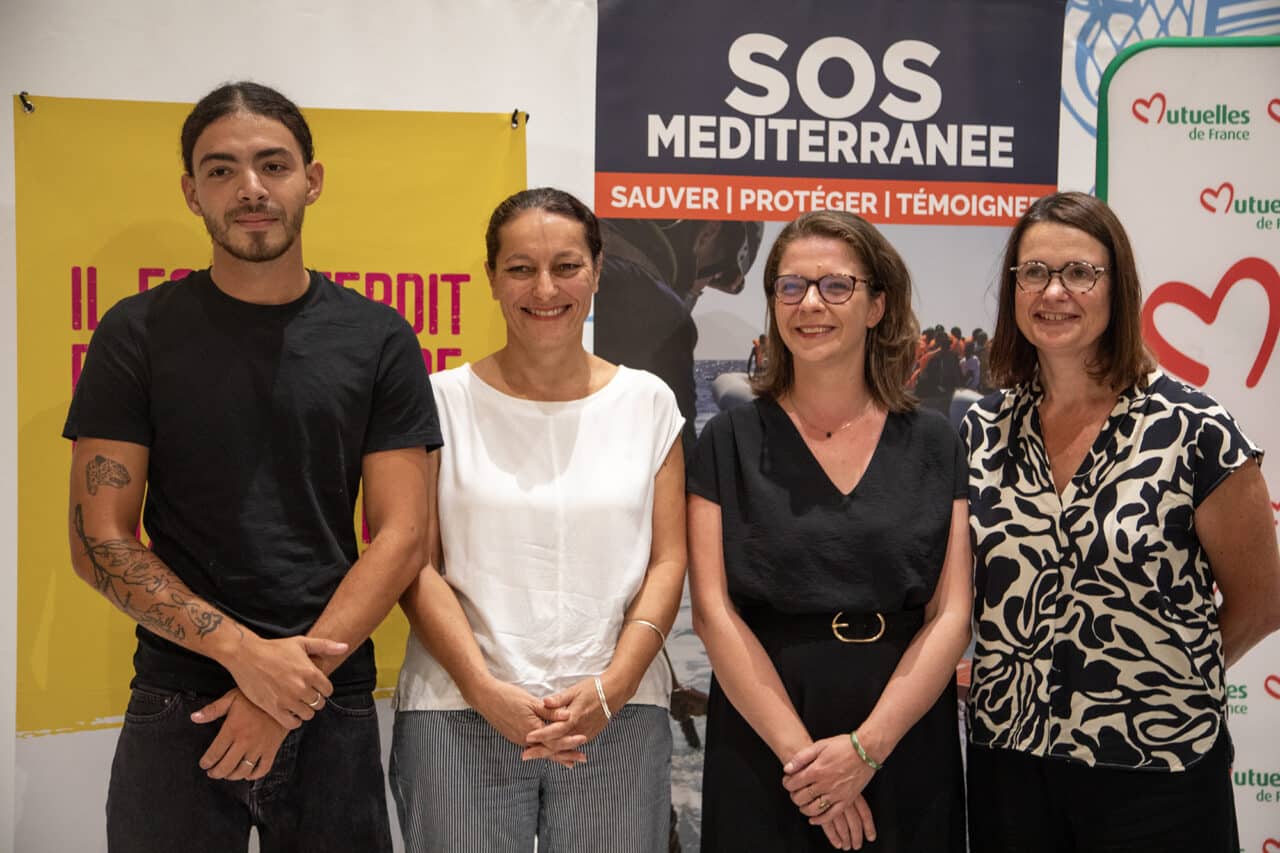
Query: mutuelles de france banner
pixel 1188 135
pixel 902 111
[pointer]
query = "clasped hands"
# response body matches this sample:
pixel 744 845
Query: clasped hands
pixel 825 781
pixel 555 727
pixel 279 685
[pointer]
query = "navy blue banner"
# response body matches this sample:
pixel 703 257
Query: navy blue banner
pixel 878 90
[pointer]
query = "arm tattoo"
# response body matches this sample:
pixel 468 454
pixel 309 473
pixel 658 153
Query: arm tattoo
pixel 102 471
pixel 123 568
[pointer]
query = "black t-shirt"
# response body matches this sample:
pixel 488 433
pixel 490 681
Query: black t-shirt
pixel 257 418
pixel 794 543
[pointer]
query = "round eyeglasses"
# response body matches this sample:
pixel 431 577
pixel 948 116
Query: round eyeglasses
pixel 834 289
pixel 1076 276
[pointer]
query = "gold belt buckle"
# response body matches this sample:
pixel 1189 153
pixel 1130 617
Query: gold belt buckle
pixel 836 625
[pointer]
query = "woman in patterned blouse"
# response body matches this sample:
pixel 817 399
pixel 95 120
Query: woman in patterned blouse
pixel 1107 500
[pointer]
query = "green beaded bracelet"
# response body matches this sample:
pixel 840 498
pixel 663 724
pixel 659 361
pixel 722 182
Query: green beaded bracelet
pixel 862 753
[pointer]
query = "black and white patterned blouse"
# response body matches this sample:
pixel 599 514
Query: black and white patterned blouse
pixel 1097 631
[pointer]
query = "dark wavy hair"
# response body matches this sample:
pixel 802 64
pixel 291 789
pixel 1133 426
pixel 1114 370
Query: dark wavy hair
pixel 246 97
pixel 1122 358
pixel 891 343
pixel 551 200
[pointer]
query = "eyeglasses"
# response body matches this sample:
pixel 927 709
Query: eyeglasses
pixel 834 289
pixel 1076 276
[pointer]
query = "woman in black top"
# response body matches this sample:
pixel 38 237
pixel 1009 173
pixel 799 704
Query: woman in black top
pixel 830 569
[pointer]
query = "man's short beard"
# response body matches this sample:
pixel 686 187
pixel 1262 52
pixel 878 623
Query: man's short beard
pixel 259 250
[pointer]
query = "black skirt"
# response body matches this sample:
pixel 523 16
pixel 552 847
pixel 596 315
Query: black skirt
pixel 916 799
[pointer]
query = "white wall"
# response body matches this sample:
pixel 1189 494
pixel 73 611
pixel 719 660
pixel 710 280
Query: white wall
pixel 455 55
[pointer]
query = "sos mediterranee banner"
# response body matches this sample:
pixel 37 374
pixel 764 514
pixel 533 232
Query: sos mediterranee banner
pixel 901 112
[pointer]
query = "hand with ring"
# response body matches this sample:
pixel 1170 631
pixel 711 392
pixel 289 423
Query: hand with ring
pixel 851 826
pixel 280 676
pixel 246 745
pixel 831 768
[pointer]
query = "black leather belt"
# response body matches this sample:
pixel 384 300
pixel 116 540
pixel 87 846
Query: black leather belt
pixel 845 626
pixel 851 630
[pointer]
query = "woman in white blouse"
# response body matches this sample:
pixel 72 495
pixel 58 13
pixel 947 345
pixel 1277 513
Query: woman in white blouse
pixel 530 704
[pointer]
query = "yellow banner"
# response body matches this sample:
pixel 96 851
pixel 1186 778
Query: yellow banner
pixel 100 215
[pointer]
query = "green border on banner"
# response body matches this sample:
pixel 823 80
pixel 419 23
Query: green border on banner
pixel 1101 174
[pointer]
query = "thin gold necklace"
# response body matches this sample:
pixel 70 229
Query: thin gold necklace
pixel 830 432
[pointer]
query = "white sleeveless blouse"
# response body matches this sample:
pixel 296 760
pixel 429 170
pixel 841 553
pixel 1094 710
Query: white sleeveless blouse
pixel 546 519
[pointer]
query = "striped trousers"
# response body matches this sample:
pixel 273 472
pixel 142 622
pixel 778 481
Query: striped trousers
pixel 460 787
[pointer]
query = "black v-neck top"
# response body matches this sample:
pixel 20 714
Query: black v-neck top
pixel 794 543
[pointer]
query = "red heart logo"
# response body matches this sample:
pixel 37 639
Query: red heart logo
pixel 1271 845
pixel 1272 686
pixel 1273 109
pixel 1140 108
pixel 1209 197
pixel 1206 308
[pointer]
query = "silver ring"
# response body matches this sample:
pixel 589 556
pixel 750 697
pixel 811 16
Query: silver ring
pixel 247 763
pixel 315 703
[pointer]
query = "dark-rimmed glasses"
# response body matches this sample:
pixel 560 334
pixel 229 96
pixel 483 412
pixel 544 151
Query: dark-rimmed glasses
pixel 1076 276
pixel 834 289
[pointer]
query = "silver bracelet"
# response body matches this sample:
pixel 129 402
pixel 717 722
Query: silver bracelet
pixel 652 627
pixel 608 715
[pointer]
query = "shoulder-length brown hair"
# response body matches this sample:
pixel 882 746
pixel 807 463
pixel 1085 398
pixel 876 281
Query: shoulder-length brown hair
pixel 890 343
pixel 1122 358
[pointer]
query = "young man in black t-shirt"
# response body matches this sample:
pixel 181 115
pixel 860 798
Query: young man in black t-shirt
pixel 248 403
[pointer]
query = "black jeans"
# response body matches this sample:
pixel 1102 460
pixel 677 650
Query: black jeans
pixel 1019 803
pixel 325 791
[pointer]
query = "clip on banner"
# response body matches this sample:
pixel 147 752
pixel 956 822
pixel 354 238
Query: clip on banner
pixel 515 118
pixel 27 106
